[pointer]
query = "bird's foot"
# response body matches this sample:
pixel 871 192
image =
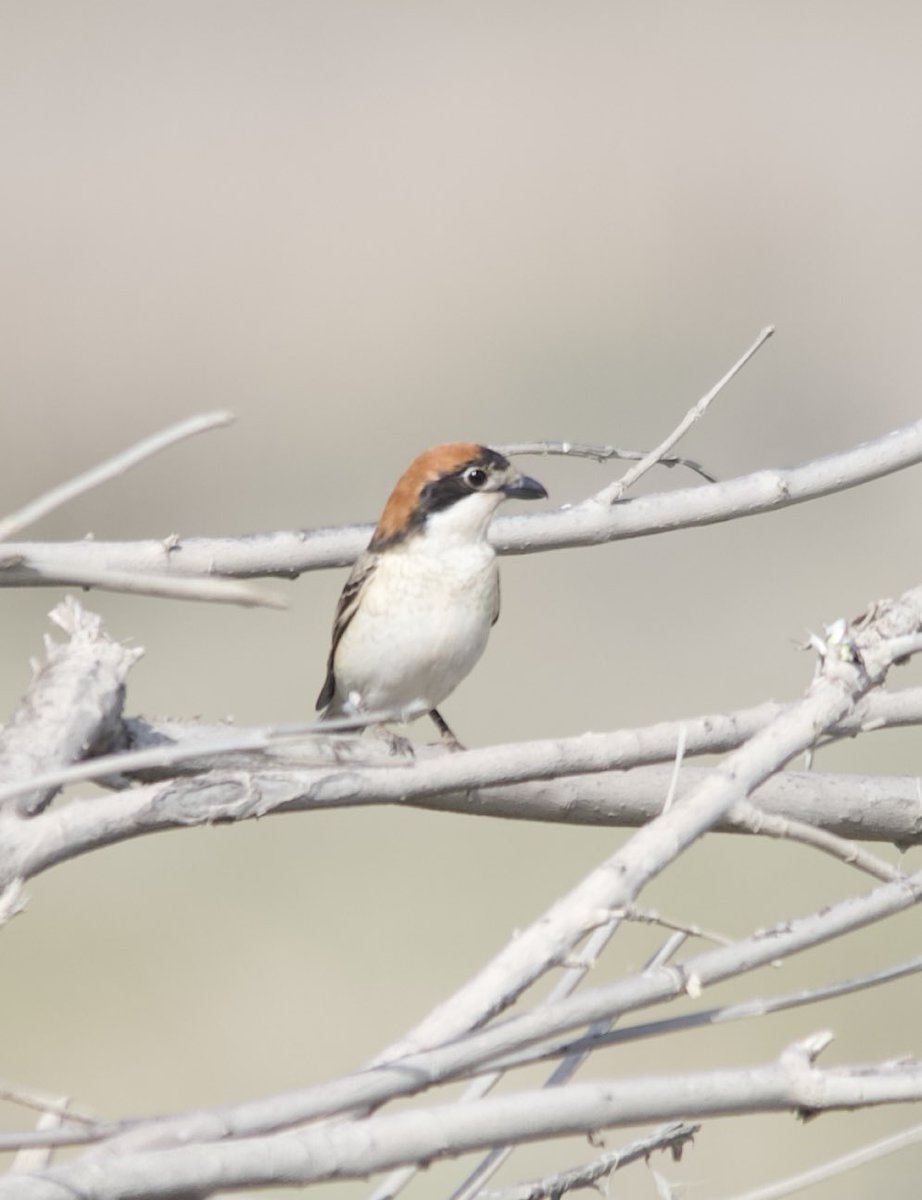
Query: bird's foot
pixel 399 746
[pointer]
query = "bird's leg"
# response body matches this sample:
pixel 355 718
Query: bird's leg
pixel 395 743
pixel 445 733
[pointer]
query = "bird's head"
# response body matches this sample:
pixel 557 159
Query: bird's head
pixel 451 491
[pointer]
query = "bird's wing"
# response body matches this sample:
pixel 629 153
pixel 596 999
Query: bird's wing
pixel 349 601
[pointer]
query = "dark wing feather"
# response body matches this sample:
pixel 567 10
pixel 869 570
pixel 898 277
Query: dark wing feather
pixel 345 611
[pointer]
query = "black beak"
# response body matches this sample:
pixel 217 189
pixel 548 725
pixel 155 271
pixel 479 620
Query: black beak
pixel 523 487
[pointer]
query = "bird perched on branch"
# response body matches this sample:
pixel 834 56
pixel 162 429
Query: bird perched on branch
pixel 415 613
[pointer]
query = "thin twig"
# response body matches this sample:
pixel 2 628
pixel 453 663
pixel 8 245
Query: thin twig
pixel 565 985
pixel 760 822
pixel 41 1102
pixel 616 882
pixel 616 490
pixel 648 916
pixel 169 587
pixel 669 1137
pixel 836 1166
pixel 492 1047
pixel 599 454
pixel 565 1070
pixel 35 1158
pixel 104 471
pixel 681 740
pixel 743 1010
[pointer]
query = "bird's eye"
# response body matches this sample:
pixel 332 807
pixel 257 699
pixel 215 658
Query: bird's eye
pixel 475 477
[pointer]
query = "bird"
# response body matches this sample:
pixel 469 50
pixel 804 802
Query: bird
pixel 416 611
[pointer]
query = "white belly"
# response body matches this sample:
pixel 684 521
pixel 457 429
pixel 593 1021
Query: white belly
pixel 422 624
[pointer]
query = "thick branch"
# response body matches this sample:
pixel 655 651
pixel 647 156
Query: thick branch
pixel 587 524
pixel 73 707
pixel 348 771
pixel 484 1049
pixel 848 806
pixel 353 1150
pixel 711 733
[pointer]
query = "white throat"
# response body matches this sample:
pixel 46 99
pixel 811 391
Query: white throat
pixel 463 522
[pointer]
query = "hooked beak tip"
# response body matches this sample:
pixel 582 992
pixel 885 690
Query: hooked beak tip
pixel 525 488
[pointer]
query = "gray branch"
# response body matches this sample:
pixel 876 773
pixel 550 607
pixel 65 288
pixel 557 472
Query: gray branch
pixel 847 806
pixel 855 660
pixel 486 1049
pixel 671 1137
pixel 109 469
pixel 356 1149
pixel 560 781
pixel 73 707
pixel 590 523
pixel 584 779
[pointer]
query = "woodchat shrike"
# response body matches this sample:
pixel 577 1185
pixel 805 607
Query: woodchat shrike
pixel 415 613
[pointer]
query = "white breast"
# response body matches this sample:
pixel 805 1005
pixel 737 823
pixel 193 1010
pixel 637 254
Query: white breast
pixel 422 624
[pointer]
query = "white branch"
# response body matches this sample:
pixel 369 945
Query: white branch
pixel 109 469
pixel 325 772
pixel 590 523
pixel 614 492
pixel 209 589
pixel 489 1048
pixel 851 667
pixel 837 1166
pixel 72 708
pixel 669 1137
pixel 598 453
pixel 757 1006
pixel 355 1149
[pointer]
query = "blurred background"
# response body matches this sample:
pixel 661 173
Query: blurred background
pixel 365 228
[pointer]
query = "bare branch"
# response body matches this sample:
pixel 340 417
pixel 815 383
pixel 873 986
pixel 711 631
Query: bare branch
pixel 759 1006
pixel 565 1069
pixel 849 670
pixel 569 980
pixel 790 1084
pixel 247 773
pixel 599 454
pixel 670 1137
pixel 837 1166
pixel 322 772
pixel 169 587
pixel 234 795
pixel 29 1160
pixel 829 693
pixel 73 707
pixel 649 916
pixel 614 492
pixel 12 900
pixel 820 839
pixel 113 579
pixel 41 1102
pixel 107 470
pixel 565 986
pixel 160 755
pixel 586 524
pixel 493 1047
